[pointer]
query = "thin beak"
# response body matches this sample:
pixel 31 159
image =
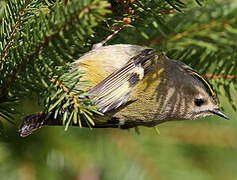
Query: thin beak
pixel 219 113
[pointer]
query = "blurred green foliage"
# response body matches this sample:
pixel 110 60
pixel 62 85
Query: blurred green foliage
pixel 204 37
pixel 200 150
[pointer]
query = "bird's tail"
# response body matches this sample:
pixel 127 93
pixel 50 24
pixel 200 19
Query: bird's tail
pixel 33 122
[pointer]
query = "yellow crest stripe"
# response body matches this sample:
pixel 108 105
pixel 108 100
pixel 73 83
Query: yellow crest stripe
pixel 207 83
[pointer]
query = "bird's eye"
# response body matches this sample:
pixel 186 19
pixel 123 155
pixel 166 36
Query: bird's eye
pixel 198 102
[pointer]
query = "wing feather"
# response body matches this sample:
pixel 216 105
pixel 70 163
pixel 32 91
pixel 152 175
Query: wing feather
pixel 115 90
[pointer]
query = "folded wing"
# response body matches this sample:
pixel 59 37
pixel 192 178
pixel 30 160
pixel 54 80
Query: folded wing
pixel 115 90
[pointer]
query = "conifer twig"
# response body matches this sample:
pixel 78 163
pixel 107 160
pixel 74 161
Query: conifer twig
pixel 20 68
pixel 213 24
pixel 12 34
pixel 66 90
pixel 108 38
pixel 220 76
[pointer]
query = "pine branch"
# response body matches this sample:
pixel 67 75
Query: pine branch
pixel 34 46
pixel 29 58
pixel 14 29
pixel 177 36
pixel 14 15
pixel 70 102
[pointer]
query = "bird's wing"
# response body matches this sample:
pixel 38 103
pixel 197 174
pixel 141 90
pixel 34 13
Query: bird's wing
pixel 99 63
pixel 116 89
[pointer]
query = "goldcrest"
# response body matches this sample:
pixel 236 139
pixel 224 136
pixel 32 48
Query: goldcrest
pixel 138 86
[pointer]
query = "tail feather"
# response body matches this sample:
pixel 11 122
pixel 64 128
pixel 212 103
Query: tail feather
pixel 31 123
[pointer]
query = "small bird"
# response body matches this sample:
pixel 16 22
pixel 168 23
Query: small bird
pixel 138 86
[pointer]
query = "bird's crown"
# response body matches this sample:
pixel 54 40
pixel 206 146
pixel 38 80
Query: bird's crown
pixel 204 81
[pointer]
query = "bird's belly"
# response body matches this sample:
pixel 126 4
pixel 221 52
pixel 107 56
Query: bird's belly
pixel 145 111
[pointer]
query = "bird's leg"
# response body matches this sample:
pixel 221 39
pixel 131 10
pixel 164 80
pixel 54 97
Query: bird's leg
pixel 95 46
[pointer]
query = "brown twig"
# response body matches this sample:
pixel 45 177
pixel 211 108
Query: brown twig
pixel 13 33
pixel 185 33
pixel 108 38
pixel 220 76
pixel 66 90
pixel 65 2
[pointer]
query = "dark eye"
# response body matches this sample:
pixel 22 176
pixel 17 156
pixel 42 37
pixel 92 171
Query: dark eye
pixel 198 102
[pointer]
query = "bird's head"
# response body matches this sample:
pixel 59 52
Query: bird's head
pixel 195 97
